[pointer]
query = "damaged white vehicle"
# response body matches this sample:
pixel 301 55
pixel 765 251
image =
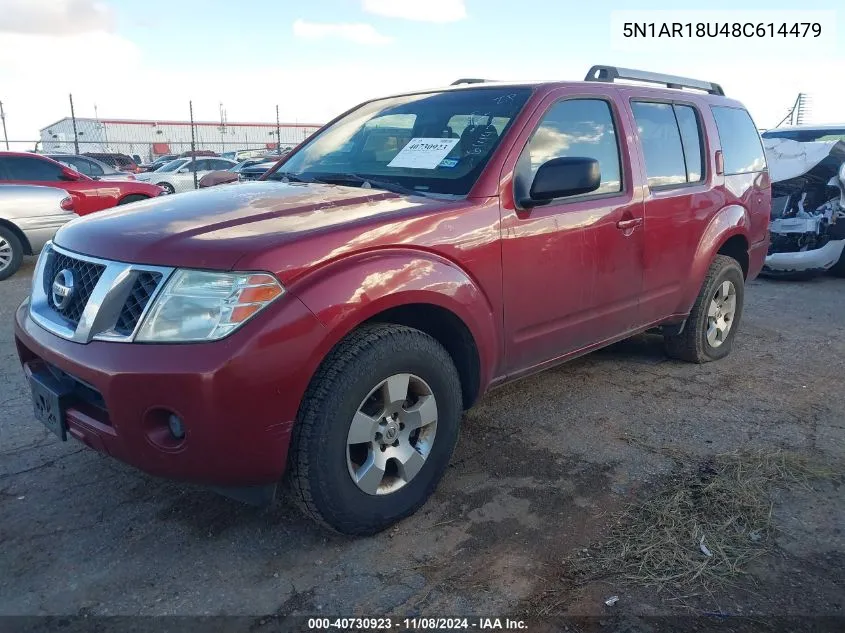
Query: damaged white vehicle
pixel 808 208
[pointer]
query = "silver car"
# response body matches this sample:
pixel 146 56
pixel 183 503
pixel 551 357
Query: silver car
pixel 29 217
pixel 178 175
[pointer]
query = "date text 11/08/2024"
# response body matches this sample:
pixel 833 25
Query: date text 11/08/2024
pixel 414 624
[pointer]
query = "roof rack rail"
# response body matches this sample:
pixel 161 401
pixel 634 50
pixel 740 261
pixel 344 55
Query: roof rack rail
pixel 612 73
pixel 468 80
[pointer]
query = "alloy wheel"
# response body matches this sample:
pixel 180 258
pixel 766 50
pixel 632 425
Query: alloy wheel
pixel 392 434
pixel 720 314
pixel 5 254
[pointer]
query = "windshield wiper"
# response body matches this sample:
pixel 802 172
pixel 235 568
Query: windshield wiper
pixel 290 177
pixel 375 183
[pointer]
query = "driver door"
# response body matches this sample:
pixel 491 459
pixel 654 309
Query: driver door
pixel 573 267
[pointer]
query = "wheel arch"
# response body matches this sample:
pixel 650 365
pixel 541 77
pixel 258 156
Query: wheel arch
pixel 420 290
pixel 139 196
pixel 726 234
pixel 14 228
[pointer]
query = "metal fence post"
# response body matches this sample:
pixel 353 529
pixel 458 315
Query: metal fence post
pixel 3 118
pixel 75 135
pixel 193 162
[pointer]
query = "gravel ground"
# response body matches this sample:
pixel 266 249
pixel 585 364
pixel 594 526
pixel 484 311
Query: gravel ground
pixel 540 466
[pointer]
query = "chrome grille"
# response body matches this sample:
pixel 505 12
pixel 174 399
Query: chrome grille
pixel 109 298
pixel 85 278
pixel 143 288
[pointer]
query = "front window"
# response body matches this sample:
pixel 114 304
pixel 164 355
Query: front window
pixel 428 143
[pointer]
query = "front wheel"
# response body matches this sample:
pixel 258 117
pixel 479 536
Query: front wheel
pixel 713 322
pixel 375 430
pixel 11 253
pixel 167 187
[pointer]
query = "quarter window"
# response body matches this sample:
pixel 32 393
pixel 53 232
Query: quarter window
pixel 741 145
pixel 579 127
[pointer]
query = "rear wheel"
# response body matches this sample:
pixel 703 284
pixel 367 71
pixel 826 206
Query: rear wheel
pixel 133 198
pixel 376 429
pixel 167 187
pixel 11 253
pixel 712 324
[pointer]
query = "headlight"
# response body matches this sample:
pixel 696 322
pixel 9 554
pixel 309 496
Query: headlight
pixel 197 305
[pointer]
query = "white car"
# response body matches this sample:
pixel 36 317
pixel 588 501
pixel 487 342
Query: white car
pixel 807 230
pixel 178 175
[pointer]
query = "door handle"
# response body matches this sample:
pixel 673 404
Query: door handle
pixel 630 223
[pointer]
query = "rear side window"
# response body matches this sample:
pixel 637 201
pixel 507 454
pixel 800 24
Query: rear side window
pixel 670 135
pixel 691 140
pixel 743 152
pixel 579 127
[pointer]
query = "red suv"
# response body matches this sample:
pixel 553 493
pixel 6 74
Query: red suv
pixel 89 194
pixel 332 322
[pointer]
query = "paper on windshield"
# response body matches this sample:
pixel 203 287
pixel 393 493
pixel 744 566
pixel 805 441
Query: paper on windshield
pixel 423 153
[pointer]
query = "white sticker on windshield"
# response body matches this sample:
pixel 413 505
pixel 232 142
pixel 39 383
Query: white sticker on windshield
pixel 423 153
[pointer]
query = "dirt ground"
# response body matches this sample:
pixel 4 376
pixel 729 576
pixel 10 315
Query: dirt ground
pixel 540 469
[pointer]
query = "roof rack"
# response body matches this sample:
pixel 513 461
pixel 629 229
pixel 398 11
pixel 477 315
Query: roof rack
pixel 612 73
pixel 468 80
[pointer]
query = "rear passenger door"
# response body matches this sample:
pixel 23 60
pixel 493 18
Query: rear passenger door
pixel 678 200
pixel 572 268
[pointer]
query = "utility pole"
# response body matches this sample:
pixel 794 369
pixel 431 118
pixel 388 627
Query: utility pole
pixel 278 133
pixel 193 162
pixel 75 135
pixel 3 118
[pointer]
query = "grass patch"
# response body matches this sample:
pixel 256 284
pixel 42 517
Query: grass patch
pixel 704 525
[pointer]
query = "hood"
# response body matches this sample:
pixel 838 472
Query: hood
pixel 793 164
pixel 213 228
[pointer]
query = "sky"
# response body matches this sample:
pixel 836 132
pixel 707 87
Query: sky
pixel 147 59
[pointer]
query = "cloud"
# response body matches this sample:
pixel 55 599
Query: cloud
pixel 419 10
pixel 54 17
pixel 357 33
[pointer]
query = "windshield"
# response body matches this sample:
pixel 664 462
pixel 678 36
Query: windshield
pixel 807 136
pixel 428 143
pixel 174 165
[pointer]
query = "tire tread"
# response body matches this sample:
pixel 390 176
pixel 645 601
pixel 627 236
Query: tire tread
pixel 688 345
pixel 332 374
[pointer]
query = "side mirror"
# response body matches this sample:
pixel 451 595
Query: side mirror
pixel 68 174
pixel 183 170
pixel 565 176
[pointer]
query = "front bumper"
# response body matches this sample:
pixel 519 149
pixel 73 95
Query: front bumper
pixel 819 259
pixel 237 397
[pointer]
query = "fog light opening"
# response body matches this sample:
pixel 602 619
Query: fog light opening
pixel 177 428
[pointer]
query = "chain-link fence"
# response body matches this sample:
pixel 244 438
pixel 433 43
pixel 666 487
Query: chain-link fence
pixel 149 139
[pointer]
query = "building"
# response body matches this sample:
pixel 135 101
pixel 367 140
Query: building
pixel 149 139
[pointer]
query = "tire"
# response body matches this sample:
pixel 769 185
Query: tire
pixel 167 187
pixel 11 253
pixel 693 343
pixel 322 456
pixel 838 269
pixel 133 198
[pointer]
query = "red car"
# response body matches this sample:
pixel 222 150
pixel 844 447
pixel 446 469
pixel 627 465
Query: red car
pixel 89 195
pixel 331 323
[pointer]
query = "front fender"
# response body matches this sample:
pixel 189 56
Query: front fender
pixel 726 223
pixel 348 292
